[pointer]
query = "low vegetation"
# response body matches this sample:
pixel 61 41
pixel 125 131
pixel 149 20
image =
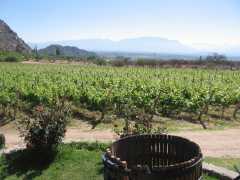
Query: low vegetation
pixel 214 61
pixel 134 94
pixel 2 141
pixel 13 57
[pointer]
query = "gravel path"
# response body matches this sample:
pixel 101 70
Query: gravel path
pixel 213 143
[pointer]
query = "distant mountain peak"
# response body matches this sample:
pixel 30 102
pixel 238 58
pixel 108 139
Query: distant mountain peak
pixel 69 51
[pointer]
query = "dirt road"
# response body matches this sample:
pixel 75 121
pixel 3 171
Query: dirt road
pixel 213 143
pixel 216 143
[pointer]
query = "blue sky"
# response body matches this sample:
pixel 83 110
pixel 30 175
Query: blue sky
pixel 189 21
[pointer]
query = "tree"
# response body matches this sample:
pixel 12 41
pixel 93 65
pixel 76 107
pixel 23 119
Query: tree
pixel 58 51
pixel 37 57
pixel 216 57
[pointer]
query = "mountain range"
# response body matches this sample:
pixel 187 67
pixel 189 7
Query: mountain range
pixel 142 44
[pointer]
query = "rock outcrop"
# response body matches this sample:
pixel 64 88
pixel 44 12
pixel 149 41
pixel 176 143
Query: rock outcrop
pixel 9 40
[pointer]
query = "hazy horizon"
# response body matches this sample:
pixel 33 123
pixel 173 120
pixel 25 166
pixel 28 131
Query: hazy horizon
pixel 203 24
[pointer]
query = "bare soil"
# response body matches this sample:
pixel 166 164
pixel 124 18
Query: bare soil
pixel 214 143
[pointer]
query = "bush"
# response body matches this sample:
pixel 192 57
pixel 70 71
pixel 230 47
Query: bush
pixel 46 128
pixel 90 146
pixel 13 56
pixel 119 63
pixel 2 141
pixel 11 59
pixel 100 62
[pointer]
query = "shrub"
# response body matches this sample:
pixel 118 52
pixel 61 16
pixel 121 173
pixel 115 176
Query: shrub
pixel 13 56
pixel 90 146
pixel 11 59
pixel 100 62
pixel 2 141
pixel 46 128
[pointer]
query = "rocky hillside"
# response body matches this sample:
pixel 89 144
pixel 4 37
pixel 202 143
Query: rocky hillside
pixel 9 40
pixel 69 51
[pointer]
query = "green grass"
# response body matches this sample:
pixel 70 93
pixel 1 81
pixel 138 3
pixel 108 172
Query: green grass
pixel 206 177
pixel 227 162
pixel 75 164
pixel 76 161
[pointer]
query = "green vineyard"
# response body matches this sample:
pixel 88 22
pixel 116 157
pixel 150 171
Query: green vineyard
pixel 125 91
